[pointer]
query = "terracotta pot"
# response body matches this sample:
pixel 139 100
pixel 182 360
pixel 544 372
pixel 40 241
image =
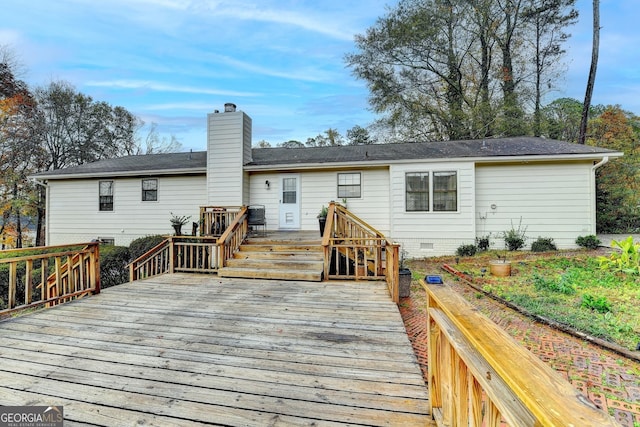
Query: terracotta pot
pixel 500 268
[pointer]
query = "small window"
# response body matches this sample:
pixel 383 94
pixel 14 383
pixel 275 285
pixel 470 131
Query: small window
pixel 445 191
pixel 289 190
pixel 149 190
pixel 417 191
pixel 107 240
pixel 106 195
pixel 349 185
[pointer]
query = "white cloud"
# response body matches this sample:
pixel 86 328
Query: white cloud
pixel 163 87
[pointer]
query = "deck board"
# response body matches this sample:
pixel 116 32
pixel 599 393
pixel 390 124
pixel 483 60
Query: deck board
pixel 189 349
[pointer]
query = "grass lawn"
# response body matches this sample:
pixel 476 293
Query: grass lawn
pixel 565 286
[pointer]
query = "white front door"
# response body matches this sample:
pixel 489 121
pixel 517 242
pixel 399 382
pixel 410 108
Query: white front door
pixel 290 201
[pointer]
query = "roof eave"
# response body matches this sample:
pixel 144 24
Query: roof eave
pixel 381 163
pixel 118 174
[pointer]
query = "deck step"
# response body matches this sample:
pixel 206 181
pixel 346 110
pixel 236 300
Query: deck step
pixel 295 263
pixel 260 273
pixel 282 259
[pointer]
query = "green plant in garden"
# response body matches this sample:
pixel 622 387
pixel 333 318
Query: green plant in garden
pixel 562 285
pixel 543 244
pixel 588 242
pixel 596 303
pixel 627 260
pixel 466 250
pixel 515 237
pixel 483 242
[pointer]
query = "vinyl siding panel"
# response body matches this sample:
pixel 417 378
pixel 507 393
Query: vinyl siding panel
pixel 73 214
pixel 318 188
pixel 433 233
pixel 554 200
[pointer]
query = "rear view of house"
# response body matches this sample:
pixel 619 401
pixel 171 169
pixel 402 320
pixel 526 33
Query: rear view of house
pixel 429 196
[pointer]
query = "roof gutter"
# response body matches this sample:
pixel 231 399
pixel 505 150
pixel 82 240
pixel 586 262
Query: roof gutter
pixel 602 162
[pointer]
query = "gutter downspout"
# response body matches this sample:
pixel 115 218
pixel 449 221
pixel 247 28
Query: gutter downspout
pixel 592 190
pixel 46 208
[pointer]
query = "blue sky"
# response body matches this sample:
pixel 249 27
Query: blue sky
pixel 173 61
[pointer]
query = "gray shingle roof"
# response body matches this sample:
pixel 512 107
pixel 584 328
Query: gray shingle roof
pixel 196 162
pixel 130 165
pixel 499 147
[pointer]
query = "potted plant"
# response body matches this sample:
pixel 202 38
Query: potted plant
pixel 322 218
pixel 177 222
pixel 500 267
pixel 405 276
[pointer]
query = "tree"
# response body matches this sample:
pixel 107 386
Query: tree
pixel 548 18
pixel 595 48
pixel 77 130
pixel 291 144
pixel 20 156
pixel 330 137
pixel 154 144
pixel 358 135
pixel 617 182
pixel 263 144
pixel 458 69
pixel 561 119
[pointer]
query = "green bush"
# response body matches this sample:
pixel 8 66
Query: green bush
pixel 466 250
pixel 562 286
pixel 143 244
pixel 588 242
pixel 113 265
pixel 515 237
pixel 483 242
pixel 627 260
pixel 599 304
pixel 543 244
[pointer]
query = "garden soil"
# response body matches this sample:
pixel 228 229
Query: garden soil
pixel 611 381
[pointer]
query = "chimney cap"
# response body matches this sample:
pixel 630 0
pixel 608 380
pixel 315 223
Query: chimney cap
pixel 229 107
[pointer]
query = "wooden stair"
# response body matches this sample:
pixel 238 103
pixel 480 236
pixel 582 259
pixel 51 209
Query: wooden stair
pixel 277 258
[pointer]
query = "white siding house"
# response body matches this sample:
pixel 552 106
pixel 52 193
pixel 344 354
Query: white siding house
pixel 431 197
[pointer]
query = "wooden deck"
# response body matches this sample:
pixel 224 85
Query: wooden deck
pixel 189 349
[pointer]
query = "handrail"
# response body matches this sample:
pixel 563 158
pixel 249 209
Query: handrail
pixel 354 249
pixel 151 263
pixel 234 235
pixel 214 220
pixel 478 375
pixel 74 272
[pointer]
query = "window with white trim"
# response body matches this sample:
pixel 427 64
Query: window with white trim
pixel 105 195
pixel 349 185
pixel 150 190
pixel 435 191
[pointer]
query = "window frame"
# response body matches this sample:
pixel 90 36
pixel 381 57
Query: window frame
pixel 433 200
pixel 147 192
pixel 103 206
pixel 350 185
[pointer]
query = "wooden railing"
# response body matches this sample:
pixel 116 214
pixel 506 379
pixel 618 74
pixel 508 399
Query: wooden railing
pixel 193 254
pixel 355 250
pixel 48 275
pixel 479 376
pixel 233 236
pixel 214 220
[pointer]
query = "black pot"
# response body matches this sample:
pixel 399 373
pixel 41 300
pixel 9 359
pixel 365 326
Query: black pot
pixel 322 221
pixel 405 282
pixel 178 229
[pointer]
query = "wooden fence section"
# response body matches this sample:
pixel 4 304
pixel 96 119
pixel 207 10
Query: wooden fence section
pixel 194 254
pixel 214 220
pixel 355 250
pixel 48 276
pixel 479 376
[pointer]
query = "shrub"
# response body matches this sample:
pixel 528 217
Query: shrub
pixel 627 260
pixel 589 242
pixel 543 244
pixel 143 244
pixel 483 242
pixel 466 250
pixel 514 238
pixel 599 304
pixel 113 265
